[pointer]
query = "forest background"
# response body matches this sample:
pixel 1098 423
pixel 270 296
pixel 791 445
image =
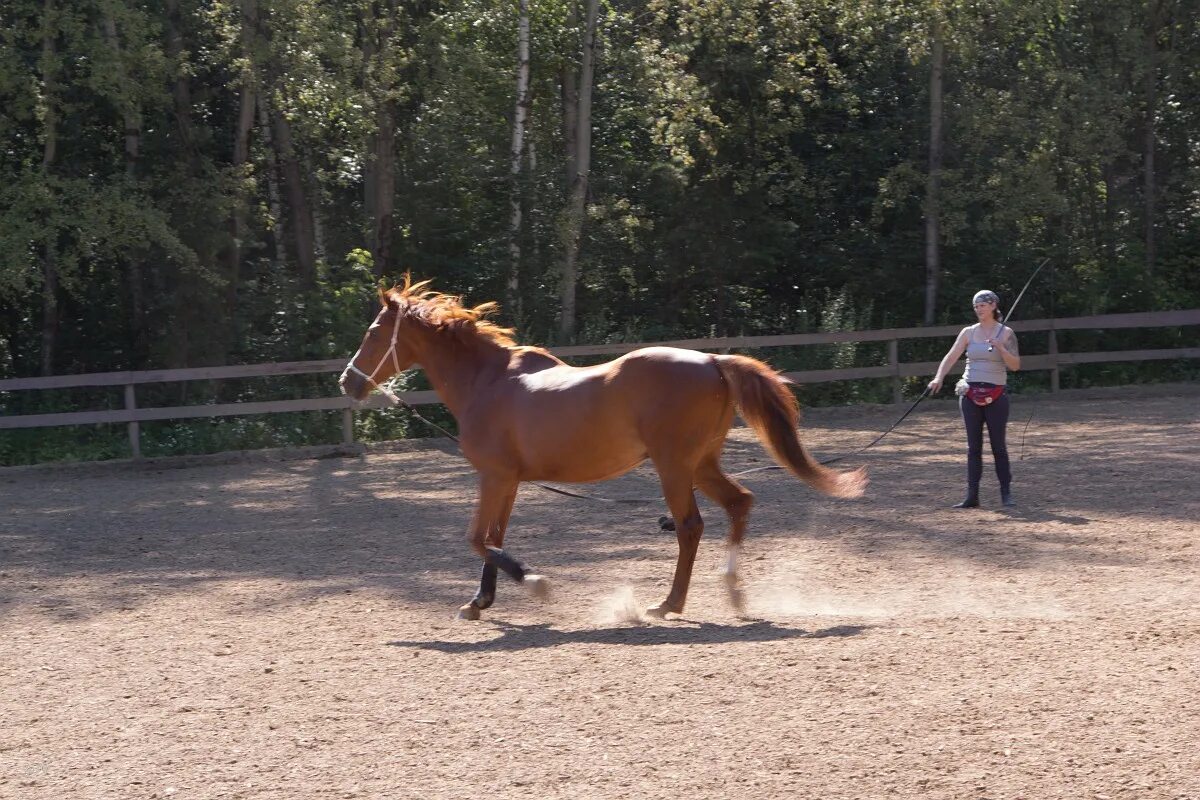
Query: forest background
pixel 200 182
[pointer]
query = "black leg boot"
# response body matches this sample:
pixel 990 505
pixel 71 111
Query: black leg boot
pixel 1006 498
pixel 971 500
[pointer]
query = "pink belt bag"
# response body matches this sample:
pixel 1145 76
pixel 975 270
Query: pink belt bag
pixel 984 395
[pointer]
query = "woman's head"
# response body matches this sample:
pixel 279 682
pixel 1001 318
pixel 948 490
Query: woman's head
pixel 987 305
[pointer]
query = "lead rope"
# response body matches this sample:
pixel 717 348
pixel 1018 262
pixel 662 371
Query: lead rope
pixel 397 400
pixel 386 389
pixel 862 449
pixel 1023 432
pixel 1007 317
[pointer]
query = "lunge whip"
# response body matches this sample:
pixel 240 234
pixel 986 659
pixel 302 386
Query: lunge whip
pixel 1021 294
pixel 1007 317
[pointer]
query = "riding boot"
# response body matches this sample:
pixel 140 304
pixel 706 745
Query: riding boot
pixel 971 500
pixel 1006 498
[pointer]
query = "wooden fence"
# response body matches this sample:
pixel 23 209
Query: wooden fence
pixel 895 369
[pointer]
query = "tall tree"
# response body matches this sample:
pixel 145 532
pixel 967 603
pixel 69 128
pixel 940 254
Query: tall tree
pixel 380 76
pixel 127 98
pixel 933 199
pixel 299 209
pixel 274 195
pixel 1154 29
pixel 49 68
pixel 278 81
pixel 516 158
pixel 248 94
pixel 580 156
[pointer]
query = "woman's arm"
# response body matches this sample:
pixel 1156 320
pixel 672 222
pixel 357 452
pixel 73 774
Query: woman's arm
pixel 953 354
pixel 1006 346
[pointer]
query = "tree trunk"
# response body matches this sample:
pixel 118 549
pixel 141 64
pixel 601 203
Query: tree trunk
pixel 185 310
pixel 1149 183
pixel 1088 198
pixel 317 220
pixel 382 188
pixel 369 42
pixel 274 196
pixel 130 111
pixel 379 174
pixel 297 200
pixel 579 187
pixel 181 89
pixel 531 160
pixel 132 116
pixel 49 154
pixel 933 234
pixel 274 89
pixel 49 310
pixel 241 153
pixel 1110 213
pixel 516 158
pixel 569 81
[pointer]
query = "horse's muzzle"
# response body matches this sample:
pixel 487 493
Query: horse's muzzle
pixel 353 386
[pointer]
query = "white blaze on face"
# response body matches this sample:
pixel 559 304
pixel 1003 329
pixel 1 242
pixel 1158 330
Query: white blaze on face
pixel 346 371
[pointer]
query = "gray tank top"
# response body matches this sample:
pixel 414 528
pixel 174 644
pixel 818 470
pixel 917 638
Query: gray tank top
pixel 982 365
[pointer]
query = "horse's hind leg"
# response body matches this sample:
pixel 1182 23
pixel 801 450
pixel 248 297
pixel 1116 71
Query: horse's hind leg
pixel 677 490
pixel 736 500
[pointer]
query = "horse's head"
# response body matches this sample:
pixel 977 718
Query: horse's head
pixel 383 352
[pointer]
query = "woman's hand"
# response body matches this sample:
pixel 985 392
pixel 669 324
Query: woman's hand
pixel 998 345
pixel 935 385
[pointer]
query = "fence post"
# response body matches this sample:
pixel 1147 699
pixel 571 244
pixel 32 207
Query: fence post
pixel 1053 351
pixel 347 424
pixel 894 363
pixel 135 429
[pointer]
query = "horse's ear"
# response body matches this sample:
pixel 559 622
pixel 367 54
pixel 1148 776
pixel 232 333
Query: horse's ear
pixel 383 297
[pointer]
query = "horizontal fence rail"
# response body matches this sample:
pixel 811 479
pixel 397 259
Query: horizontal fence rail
pixel 895 369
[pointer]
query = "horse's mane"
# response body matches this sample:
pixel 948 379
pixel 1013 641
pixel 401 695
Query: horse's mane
pixel 447 312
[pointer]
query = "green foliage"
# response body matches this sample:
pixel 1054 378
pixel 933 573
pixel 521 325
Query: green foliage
pixel 757 167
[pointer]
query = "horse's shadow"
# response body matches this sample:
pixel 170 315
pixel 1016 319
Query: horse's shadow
pixel 525 637
pixel 1042 515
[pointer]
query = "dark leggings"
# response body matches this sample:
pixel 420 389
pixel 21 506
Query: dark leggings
pixel 995 416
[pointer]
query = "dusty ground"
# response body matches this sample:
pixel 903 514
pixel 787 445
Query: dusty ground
pixel 285 629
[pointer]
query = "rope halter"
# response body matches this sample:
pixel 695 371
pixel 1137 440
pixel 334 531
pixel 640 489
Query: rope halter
pixel 385 390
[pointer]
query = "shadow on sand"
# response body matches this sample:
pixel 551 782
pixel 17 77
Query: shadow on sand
pixel 525 637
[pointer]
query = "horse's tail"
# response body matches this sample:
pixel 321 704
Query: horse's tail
pixel 765 402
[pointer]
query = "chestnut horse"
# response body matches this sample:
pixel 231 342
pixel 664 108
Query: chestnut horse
pixel 524 415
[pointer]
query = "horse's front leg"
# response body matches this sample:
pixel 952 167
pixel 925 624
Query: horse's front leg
pixel 487 580
pixel 486 537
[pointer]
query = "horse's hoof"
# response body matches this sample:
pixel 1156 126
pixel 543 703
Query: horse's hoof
pixel 737 597
pixel 659 611
pixel 539 586
pixel 469 611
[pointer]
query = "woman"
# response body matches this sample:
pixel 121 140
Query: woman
pixel 991 350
